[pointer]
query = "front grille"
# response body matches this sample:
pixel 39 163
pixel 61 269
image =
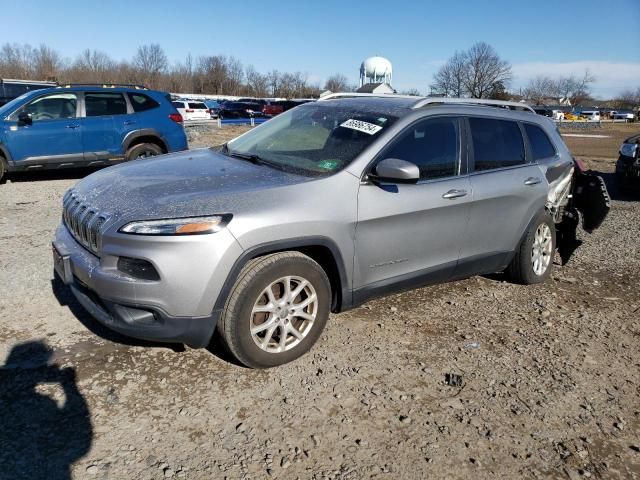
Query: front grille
pixel 83 221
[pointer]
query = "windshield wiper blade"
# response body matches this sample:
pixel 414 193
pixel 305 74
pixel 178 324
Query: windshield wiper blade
pixel 251 157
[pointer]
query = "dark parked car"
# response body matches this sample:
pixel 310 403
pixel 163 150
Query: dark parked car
pixel 10 89
pixel 628 164
pixel 240 110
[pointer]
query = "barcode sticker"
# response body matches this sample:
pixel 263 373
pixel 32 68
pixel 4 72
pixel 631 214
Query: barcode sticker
pixel 361 126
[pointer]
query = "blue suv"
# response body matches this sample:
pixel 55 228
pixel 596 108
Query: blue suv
pixel 87 125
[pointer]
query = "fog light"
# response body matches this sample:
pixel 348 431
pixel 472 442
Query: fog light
pixel 138 268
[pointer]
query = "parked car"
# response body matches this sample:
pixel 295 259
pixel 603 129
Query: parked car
pixel 627 115
pixel 628 164
pixel 10 88
pixel 317 210
pixel 75 126
pixel 240 110
pixel 590 115
pixel 213 107
pixel 192 110
pixel 272 108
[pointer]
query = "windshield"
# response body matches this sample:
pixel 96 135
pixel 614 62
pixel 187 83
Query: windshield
pixel 8 107
pixel 312 139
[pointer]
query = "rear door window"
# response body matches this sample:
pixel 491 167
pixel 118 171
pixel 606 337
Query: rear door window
pixel 496 143
pixel 141 102
pixel 99 104
pixel 433 145
pixel 541 146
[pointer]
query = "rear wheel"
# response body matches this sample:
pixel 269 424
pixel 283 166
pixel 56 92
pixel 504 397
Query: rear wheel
pixel 533 260
pixel 143 150
pixel 277 309
pixel 3 170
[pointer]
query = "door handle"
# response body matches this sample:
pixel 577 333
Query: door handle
pixel 454 194
pixel 532 181
pixel 73 125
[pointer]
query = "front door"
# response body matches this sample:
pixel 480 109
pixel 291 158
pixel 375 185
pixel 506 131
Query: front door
pixel 412 233
pixel 54 135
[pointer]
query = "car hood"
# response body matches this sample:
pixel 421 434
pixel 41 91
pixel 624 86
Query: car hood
pixel 191 183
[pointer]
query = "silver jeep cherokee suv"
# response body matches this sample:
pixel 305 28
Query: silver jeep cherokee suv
pixel 318 210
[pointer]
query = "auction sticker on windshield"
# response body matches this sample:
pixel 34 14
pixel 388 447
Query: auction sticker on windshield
pixel 361 126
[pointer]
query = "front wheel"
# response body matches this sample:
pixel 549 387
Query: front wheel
pixel 276 310
pixel 533 260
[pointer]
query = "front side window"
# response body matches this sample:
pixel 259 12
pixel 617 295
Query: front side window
pixel 313 139
pixel 541 146
pixel 433 145
pixel 141 102
pixel 50 107
pixel 496 143
pixel 98 104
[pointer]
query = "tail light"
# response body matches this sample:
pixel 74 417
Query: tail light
pixel 176 117
pixel 580 164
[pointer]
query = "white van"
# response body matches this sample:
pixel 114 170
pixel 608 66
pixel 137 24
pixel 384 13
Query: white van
pixel 591 115
pixel 191 110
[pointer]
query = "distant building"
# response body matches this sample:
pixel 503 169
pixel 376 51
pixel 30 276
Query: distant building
pixel 376 88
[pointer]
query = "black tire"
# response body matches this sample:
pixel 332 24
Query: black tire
pixel 3 171
pixel 235 323
pixel 143 150
pixel 521 269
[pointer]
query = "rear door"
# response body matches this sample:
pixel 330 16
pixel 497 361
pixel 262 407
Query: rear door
pixel 508 190
pixel 54 135
pixel 106 122
pixel 413 232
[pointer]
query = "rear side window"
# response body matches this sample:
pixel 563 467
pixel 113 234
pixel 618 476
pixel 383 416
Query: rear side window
pixel 496 143
pixel 97 104
pixel 197 105
pixel 433 145
pixel 178 104
pixel 141 102
pixel 541 146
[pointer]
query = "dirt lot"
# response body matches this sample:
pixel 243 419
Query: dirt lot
pixel 551 374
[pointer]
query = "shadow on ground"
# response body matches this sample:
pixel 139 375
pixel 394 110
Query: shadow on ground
pixel 627 193
pixel 45 423
pixel 65 298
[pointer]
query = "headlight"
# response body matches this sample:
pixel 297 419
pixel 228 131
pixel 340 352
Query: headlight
pixel 178 226
pixel 628 149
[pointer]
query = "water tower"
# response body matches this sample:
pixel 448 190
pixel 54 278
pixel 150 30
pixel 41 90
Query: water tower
pixel 375 70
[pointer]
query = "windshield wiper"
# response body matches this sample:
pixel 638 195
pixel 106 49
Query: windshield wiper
pixel 246 156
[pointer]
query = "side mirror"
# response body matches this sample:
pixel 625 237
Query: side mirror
pixel 24 118
pixel 395 170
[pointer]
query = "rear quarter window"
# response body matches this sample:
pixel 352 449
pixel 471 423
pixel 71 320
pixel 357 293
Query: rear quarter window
pixel 496 143
pixel 541 146
pixel 141 102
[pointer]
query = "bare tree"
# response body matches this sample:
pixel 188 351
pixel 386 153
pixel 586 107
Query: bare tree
pixel 16 61
pixel 337 83
pixel 540 89
pixel 152 62
pixel 257 83
pixel 628 99
pixel 575 89
pixel 414 92
pixel 484 69
pixel 449 80
pixel 46 63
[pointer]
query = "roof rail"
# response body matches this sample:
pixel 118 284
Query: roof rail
pixel 473 101
pixel 104 85
pixel 29 82
pixel 331 96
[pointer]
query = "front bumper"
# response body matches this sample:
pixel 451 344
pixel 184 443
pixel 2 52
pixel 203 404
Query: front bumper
pixel 628 168
pixel 178 308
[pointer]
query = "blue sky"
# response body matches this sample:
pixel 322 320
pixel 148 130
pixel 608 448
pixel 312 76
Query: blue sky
pixel 321 38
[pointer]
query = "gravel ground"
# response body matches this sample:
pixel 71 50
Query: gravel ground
pixel 550 377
